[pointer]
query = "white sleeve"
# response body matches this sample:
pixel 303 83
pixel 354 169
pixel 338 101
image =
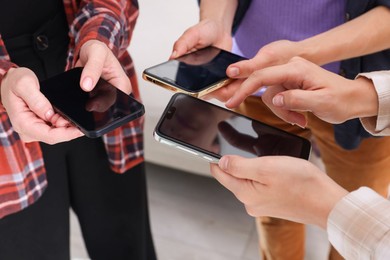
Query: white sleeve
pixel 379 125
pixel 359 225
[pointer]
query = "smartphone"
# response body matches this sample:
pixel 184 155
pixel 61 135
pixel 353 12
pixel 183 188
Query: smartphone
pixel 210 131
pixel 95 113
pixel 196 73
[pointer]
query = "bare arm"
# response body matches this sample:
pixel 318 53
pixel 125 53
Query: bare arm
pixel 368 33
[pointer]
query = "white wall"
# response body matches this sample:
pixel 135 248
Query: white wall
pixel 160 23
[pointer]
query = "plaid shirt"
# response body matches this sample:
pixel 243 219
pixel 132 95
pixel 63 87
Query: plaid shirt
pixel 359 226
pixel 22 171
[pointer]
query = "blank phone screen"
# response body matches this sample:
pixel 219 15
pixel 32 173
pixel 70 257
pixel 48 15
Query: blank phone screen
pixel 197 70
pixel 217 131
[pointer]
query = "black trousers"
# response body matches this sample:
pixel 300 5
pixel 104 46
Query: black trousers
pixel 112 208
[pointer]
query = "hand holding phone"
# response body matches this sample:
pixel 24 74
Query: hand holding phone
pixel 96 112
pixel 196 73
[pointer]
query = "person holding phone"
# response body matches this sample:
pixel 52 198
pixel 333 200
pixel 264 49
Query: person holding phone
pixel 357 222
pixel 272 32
pixel 46 165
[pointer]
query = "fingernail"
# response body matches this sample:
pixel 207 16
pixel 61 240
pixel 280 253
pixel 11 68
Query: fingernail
pixel 87 84
pixel 223 163
pixel 278 100
pixel 49 114
pixel 233 72
pixel 227 103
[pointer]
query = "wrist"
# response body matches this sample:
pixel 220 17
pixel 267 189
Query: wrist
pixel 334 194
pixel 311 50
pixel 365 98
pixel 220 11
pixel 3 80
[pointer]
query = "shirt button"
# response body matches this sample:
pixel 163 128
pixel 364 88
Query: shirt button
pixel 42 42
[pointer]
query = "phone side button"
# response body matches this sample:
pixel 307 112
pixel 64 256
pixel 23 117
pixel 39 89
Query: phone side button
pixel 186 150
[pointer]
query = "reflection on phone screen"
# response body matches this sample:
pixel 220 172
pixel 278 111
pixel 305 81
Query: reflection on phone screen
pixel 218 131
pixel 197 70
pixel 95 112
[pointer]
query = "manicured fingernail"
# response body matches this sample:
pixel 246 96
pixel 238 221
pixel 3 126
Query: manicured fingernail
pixel 49 114
pixel 174 54
pixel 223 163
pixel 278 100
pixel 233 72
pixel 87 84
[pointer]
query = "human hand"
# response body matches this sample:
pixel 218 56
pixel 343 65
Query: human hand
pixel 31 114
pixel 98 61
pixel 275 53
pixel 301 86
pixel 207 32
pixel 280 186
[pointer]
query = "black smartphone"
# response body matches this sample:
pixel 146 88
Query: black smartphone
pixel 95 113
pixel 196 73
pixel 210 131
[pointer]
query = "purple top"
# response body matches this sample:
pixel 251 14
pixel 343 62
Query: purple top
pixel 270 20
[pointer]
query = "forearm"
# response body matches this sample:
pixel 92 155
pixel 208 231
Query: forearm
pixel 369 33
pixel 221 11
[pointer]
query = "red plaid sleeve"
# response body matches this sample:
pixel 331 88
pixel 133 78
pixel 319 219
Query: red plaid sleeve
pixel 22 175
pixel 111 22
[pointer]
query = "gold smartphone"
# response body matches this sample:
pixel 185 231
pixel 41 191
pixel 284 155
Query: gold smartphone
pixel 196 73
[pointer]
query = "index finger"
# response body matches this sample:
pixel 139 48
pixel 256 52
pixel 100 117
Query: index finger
pixel 188 41
pixel 281 74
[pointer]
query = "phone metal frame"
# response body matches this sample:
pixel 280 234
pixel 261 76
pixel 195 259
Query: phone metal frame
pixel 172 87
pixel 199 152
pixel 205 156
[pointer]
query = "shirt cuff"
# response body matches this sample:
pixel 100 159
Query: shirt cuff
pixel 378 125
pixel 357 224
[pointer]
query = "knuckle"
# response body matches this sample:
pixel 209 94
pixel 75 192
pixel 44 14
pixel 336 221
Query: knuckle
pixel 23 81
pixel 233 166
